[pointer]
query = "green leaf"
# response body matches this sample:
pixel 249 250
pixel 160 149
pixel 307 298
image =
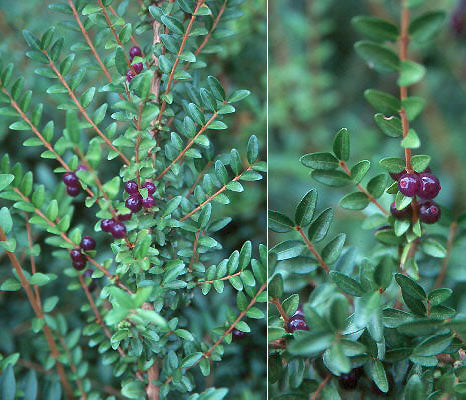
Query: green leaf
pixel 8 383
pixel 338 312
pixel 331 178
pixel 341 144
pixel 252 149
pixel 393 164
pixel 41 279
pixel 411 141
pixel 390 126
pixel 382 58
pixel 359 171
pixel 347 284
pixel 415 389
pixel 216 88
pixel 409 286
pixel 120 61
pixel 133 390
pixel 238 95
pixel 433 345
pixel 354 201
pixel 331 252
pixel 310 343
pixel 172 205
pixel 305 209
pixel 172 24
pixel 72 126
pixel 426 26
pixel 413 106
pixel 191 360
pixel 323 161
pixel 31 40
pixel 275 287
pixel 378 375
pixel 31 386
pixel 319 227
pixel 438 296
pixel 50 303
pixel 410 73
pixel 382 102
pixel 279 222
pixel 10 285
pixel 433 248
pixel 376 186
pixel 375 28
pixel 420 162
pixel 6 223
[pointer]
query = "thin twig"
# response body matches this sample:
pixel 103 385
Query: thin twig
pixel 313 250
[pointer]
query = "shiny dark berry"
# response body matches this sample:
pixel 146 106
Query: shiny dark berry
pixel 405 213
pixel 138 67
pixel 124 217
pixel 299 311
pixel 73 191
pixel 134 202
pixel 350 380
pixel 429 212
pixel 131 187
pixel 92 286
pixel 296 323
pixel 458 19
pixel 237 334
pixel 135 51
pixel 88 243
pixel 118 230
pixel 429 186
pixel 149 186
pixel 76 255
pixel 408 184
pixel 107 224
pixel 71 179
pixel 81 167
pixel 79 264
pixel 148 202
pixel 130 75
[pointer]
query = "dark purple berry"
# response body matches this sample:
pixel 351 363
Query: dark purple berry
pixel 299 311
pixel 107 224
pixel 92 286
pixel 81 167
pixel 79 264
pixel 76 255
pixel 118 230
pixel 149 186
pixel 458 19
pixel 73 191
pixel 130 75
pixel 134 202
pixel 408 184
pixel 350 380
pixel 88 273
pixel 88 243
pixel 138 67
pixel 237 334
pixel 124 217
pixel 296 323
pixel 429 186
pixel 148 202
pixel 131 187
pixel 429 212
pixel 71 179
pixel 135 51
pixel 405 213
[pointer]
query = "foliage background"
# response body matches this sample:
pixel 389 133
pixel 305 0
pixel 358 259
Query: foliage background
pixel 244 364
pixel 316 87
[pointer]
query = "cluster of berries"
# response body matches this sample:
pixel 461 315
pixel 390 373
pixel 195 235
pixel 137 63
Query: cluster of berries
pixel 79 259
pixel 426 186
pixel 136 68
pixel 73 187
pixel 134 202
pixel 297 321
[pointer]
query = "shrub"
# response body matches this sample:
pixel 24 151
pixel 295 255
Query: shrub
pixel 132 137
pixel 379 323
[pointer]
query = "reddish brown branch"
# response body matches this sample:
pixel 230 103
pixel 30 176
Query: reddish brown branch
pixel 313 250
pixel 315 396
pixel 214 26
pixel 278 305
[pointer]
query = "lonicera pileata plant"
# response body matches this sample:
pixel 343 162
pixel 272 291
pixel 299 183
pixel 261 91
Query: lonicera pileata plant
pixel 142 264
pixel 380 324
